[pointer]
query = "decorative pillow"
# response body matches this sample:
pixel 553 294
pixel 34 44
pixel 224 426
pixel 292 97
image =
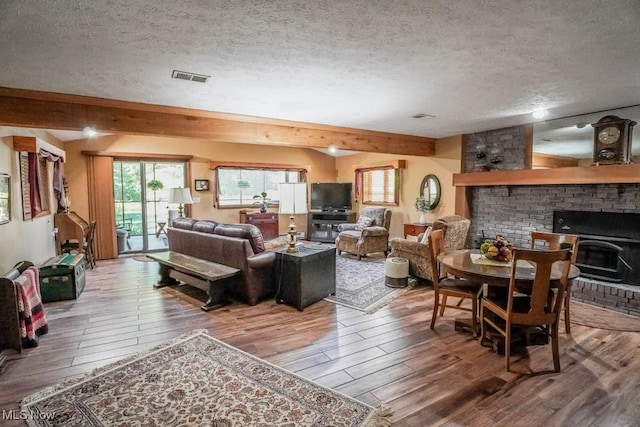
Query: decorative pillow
pixel 425 236
pixel 363 222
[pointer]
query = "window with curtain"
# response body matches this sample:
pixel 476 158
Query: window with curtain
pixel 36 185
pixel 235 187
pixel 379 186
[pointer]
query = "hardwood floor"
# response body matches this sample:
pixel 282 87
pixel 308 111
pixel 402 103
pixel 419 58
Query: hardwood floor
pixel 441 377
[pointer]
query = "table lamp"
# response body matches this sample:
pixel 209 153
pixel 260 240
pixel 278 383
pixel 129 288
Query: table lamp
pixel 180 196
pixel 293 200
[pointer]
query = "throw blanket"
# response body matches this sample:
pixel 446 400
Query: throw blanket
pixel 33 322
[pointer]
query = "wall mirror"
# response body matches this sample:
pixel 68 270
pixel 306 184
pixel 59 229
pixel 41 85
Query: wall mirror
pixel 568 141
pixel 430 190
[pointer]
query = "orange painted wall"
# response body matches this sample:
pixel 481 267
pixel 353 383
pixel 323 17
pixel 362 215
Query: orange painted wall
pixel 444 164
pixel 321 167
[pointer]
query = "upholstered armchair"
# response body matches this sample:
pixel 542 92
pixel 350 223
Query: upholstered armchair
pixel 370 234
pixel 455 228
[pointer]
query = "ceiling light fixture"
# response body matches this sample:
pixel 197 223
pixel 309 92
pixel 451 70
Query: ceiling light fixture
pixel 89 132
pixel 333 148
pixel 538 114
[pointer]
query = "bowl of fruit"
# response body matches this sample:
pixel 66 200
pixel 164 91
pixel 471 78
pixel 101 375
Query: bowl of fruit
pixel 498 250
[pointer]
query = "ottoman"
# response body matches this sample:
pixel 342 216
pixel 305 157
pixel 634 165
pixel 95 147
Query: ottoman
pixel 396 272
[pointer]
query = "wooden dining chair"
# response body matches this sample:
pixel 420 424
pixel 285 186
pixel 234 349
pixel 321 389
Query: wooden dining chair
pixel 444 286
pixel 534 308
pixel 554 242
pixel 88 249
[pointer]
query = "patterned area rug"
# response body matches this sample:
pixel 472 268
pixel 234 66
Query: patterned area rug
pixel 197 380
pixel 360 284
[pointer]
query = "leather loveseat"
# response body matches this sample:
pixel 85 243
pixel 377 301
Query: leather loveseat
pixel 236 245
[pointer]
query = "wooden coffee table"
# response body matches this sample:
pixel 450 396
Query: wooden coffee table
pixel 209 276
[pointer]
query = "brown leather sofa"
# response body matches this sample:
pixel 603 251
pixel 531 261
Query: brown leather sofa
pixel 236 245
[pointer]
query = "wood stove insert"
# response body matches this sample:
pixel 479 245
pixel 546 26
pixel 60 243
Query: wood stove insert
pixel 609 247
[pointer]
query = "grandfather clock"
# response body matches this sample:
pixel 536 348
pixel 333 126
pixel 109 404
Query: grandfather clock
pixel 612 140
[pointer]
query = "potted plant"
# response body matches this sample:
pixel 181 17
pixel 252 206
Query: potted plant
pixel 422 206
pixel 263 201
pixel 155 185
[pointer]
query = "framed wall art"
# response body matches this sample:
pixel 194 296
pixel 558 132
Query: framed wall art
pixel 202 184
pixel 5 198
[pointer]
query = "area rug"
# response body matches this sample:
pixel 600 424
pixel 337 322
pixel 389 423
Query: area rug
pixel 360 283
pixel 601 318
pixel 277 243
pixel 143 258
pixel 196 380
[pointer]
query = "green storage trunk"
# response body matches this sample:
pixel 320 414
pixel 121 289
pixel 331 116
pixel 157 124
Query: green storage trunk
pixel 62 277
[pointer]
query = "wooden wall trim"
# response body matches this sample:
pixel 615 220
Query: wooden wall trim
pixel 24 108
pixel 396 164
pixel 118 154
pixel 31 144
pixel 215 164
pixel 528 146
pixel 551 161
pixel 25 143
pixel 609 174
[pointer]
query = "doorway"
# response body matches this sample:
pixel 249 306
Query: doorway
pixel 141 194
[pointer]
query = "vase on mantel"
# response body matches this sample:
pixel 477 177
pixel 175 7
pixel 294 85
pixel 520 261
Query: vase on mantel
pixel 423 218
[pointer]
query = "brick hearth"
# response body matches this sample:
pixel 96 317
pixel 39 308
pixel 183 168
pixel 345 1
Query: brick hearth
pixel 618 297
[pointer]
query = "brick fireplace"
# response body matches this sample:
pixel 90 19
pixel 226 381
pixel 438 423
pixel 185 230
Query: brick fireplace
pixel 515 211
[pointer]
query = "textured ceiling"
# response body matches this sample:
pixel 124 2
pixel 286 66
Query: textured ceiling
pixel 474 64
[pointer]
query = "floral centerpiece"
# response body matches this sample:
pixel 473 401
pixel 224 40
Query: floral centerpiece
pixel 499 249
pixel 422 206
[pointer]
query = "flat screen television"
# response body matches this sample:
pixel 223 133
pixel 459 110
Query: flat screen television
pixel 331 196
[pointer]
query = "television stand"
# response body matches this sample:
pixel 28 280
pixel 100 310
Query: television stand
pixel 323 226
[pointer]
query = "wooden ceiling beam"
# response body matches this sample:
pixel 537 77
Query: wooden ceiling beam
pixel 23 108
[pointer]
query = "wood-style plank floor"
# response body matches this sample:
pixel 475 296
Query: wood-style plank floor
pixel 439 377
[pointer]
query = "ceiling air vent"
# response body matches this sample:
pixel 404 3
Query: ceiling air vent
pixel 184 75
pixel 423 116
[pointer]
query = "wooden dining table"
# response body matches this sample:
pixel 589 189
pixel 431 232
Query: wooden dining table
pixel 469 264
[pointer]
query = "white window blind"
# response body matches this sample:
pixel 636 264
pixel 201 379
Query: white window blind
pixel 379 186
pixel 237 186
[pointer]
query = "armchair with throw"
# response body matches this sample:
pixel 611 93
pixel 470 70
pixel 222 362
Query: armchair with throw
pixel 455 228
pixel 370 234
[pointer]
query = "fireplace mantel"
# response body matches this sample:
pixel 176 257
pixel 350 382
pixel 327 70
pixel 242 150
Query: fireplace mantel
pixel 609 174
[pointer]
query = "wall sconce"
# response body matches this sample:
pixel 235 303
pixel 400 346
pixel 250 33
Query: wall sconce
pixel 496 155
pixel 480 151
pixel 481 158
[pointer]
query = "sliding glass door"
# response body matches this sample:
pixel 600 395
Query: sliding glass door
pixel 141 192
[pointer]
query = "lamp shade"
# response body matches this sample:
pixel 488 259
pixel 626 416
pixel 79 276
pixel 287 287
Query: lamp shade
pixel 180 196
pixel 293 198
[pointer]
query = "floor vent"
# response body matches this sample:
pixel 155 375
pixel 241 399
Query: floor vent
pixel 184 75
